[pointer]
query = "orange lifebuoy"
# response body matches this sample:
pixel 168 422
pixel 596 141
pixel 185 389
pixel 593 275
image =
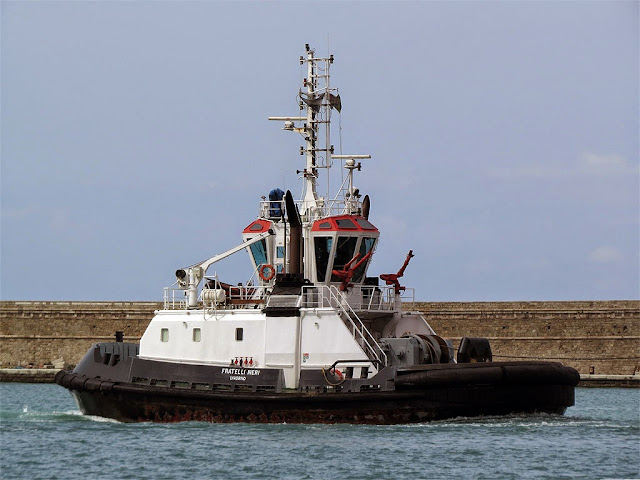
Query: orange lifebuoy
pixel 335 373
pixel 263 276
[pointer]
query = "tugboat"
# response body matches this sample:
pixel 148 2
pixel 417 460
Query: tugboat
pixel 311 337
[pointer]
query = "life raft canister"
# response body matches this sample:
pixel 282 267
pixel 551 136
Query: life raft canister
pixel 266 276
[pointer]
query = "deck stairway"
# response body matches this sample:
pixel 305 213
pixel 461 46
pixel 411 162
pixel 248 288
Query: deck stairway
pixel 330 296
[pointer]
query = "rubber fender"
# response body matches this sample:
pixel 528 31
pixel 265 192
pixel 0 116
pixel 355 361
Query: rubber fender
pixel 59 378
pixel 467 376
pixel 64 379
pixel 106 386
pixel 548 373
pixel 77 383
pixel 454 376
pixel 92 384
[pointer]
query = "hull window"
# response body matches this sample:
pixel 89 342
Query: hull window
pixel 239 334
pixel 197 334
pixel 322 246
pixel 164 335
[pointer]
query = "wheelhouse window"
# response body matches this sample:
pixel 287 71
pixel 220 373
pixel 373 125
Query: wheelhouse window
pixel 346 223
pixel 322 247
pixel 164 335
pixel 365 224
pixel 197 334
pixel 259 252
pixel 365 247
pixel 345 250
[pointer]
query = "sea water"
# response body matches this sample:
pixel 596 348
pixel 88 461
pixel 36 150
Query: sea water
pixel 44 436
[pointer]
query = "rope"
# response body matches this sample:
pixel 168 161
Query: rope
pixel 568 358
pixel 601 359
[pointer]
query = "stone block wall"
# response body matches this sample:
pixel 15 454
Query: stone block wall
pixel 42 332
pixel 601 335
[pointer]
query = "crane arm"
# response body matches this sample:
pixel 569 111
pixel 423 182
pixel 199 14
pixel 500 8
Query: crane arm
pixel 207 263
pixel 190 277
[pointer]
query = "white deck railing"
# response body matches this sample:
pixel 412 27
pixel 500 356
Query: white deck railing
pixel 239 296
pixel 377 299
pixel 174 298
pixel 267 207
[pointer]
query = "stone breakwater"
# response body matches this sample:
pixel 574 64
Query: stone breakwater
pixel 35 334
pixel 595 337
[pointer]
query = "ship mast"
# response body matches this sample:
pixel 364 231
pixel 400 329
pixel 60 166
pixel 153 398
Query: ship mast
pixel 317 101
pixel 310 172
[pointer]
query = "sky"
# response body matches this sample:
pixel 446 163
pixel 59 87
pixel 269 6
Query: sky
pixel 504 140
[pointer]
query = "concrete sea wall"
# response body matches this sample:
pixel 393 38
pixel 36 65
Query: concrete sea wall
pixel 597 337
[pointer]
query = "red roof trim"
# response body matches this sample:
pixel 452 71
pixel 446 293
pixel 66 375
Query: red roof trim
pixel 258 226
pixel 335 228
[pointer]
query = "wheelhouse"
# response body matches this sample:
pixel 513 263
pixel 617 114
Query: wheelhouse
pixel 338 240
pixel 268 251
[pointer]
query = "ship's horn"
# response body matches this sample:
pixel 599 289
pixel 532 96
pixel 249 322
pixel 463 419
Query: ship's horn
pixel 366 205
pixel 295 234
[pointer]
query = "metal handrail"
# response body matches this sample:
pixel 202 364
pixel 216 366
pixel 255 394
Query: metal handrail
pixel 170 301
pixel 243 293
pixel 316 295
pixel 332 208
pixel 373 298
pixel 362 330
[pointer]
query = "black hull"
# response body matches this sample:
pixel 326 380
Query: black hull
pixel 458 390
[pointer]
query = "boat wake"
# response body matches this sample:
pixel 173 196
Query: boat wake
pixel 29 416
